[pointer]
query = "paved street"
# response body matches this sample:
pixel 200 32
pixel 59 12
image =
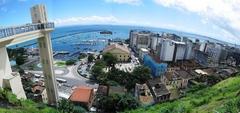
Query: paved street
pixel 73 79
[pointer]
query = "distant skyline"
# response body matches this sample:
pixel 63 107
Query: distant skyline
pixel 219 19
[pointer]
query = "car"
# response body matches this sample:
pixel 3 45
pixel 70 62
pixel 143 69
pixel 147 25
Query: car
pixel 60 80
pixel 37 75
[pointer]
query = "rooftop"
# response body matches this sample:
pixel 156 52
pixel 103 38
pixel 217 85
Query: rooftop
pixel 158 87
pixel 116 89
pixel 81 94
pixel 114 46
pixel 178 74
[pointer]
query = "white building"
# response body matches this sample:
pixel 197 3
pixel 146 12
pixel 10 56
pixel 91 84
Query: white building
pixel 133 38
pixel 155 39
pixel 143 52
pixel 180 48
pixel 189 50
pixel 167 48
pixel 143 40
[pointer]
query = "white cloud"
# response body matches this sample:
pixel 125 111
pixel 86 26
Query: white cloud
pixel 131 2
pixel 225 14
pixel 90 20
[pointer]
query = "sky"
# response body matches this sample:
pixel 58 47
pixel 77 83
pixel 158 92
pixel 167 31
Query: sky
pixel 219 19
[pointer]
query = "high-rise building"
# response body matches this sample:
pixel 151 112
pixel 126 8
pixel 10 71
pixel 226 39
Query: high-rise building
pixel 155 39
pixel 166 50
pixel 209 54
pixel 179 51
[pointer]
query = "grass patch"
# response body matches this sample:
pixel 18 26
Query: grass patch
pixel 60 63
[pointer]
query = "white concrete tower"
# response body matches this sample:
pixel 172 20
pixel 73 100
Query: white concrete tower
pixel 39 15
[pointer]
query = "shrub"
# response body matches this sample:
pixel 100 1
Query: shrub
pixel 70 62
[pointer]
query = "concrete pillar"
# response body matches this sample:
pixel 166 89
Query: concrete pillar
pixel 5 67
pixel 39 15
pixel 8 79
pixel 45 49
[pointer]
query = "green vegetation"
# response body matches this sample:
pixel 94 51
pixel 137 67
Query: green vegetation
pixel 20 60
pixel 90 58
pixel 70 62
pixel 60 63
pixel 10 104
pixel 82 56
pixel 109 59
pixel 18 54
pixel 117 77
pixel 222 97
pixel 117 102
pixel 65 106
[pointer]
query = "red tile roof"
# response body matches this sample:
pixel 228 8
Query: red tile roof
pixel 81 94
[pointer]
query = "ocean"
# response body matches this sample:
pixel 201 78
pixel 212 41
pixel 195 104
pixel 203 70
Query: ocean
pixel 88 38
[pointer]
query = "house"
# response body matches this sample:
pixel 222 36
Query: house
pixel 116 90
pixel 142 92
pixel 82 96
pixel 39 93
pixel 143 52
pixel 121 52
pixel 159 91
pixel 102 90
pixel 177 78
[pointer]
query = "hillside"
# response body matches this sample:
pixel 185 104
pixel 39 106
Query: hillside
pixel 219 98
pixel 10 104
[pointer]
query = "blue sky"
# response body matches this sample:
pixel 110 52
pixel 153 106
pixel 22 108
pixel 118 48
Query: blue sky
pixel 219 19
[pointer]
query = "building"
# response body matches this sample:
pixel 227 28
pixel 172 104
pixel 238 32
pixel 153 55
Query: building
pixel 116 90
pixel 39 93
pixel 142 92
pixel 171 37
pixel 177 78
pixel 121 52
pixel 102 90
pixel 157 69
pixel 133 38
pixel 170 50
pixel 143 40
pixel 158 90
pixel 83 96
pixel 209 54
pixel 179 51
pixel 166 50
pixel 155 39
pixel 189 52
pixel 143 52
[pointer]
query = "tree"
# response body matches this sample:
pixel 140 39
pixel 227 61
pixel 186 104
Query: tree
pixel 141 74
pixel 20 60
pixel 117 103
pixel 97 69
pixel 21 71
pixel 82 55
pixel 65 106
pixel 70 62
pixel 90 58
pixel 109 59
